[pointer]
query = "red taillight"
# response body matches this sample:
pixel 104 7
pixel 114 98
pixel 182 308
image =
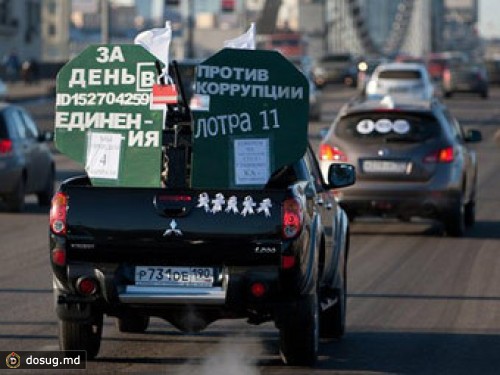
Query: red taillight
pixel 292 218
pixel 5 146
pixel 175 198
pixel 59 257
pixel 444 155
pixel 287 261
pixel 258 289
pixel 329 153
pixel 86 286
pixel 58 213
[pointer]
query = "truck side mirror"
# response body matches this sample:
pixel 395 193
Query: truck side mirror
pixel 341 175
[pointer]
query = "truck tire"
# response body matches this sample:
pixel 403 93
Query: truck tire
pixel 132 324
pixel 81 336
pixel 332 320
pixel 299 333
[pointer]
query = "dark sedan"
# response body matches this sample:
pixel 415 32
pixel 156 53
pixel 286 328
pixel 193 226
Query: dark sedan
pixel 26 162
pixel 465 78
pixel 412 160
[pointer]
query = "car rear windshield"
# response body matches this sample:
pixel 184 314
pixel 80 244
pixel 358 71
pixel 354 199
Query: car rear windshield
pixel 388 127
pixel 400 74
pixel 336 58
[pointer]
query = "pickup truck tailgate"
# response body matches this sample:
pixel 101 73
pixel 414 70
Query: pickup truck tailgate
pixel 190 227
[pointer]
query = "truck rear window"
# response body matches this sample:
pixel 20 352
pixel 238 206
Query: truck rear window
pixel 386 127
pixel 336 58
pixel 400 74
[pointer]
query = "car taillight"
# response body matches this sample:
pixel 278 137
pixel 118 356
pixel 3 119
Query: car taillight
pixel 292 218
pixel 446 75
pixel 57 216
pixel 329 153
pixel 86 286
pixel 5 146
pixel 287 261
pixel 444 155
pixel 258 289
pixel 59 256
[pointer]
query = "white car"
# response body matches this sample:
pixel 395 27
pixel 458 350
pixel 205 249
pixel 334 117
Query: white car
pixel 400 80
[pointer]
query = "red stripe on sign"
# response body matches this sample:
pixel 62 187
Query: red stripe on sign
pixel 164 94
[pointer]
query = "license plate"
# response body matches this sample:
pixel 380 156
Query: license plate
pixel 399 89
pixel 385 166
pixel 174 276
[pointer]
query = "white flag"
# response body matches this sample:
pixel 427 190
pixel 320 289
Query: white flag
pixel 245 41
pixel 156 41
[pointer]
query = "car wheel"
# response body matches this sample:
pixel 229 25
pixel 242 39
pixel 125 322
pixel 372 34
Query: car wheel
pixel 81 336
pixel 332 320
pixel 15 200
pixel 45 196
pixel 447 94
pixel 455 220
pixel 484 95
pixel 132 324
pixel 299 333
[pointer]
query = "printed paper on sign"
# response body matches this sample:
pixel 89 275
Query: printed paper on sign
pixel 103 155
pixel 252 162
pixel 245 41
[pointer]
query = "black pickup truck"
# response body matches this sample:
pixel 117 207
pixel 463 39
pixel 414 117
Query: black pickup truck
pixel 194 256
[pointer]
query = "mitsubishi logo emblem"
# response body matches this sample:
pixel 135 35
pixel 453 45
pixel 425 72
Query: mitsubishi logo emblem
pixel 383 152
pixel 173 230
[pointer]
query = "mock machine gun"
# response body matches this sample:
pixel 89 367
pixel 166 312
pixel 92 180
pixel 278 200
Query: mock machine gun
pixel 176 137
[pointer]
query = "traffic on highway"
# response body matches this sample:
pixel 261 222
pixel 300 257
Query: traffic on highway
pixel 281 203
pixel 417 302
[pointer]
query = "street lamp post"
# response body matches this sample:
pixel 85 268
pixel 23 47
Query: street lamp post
pixel 105 21
pixel 190 31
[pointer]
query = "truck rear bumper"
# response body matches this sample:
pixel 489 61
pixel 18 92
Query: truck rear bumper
pixel 133 294
pixel 233 289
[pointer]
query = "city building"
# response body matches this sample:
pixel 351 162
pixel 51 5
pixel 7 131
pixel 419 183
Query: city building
pixel 20 31
pixel 56 30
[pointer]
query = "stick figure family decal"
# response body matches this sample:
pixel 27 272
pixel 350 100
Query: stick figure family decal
pixel 247 205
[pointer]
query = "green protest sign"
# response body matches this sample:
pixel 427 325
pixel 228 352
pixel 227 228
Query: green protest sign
pixel 106 118
pixel 250 118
